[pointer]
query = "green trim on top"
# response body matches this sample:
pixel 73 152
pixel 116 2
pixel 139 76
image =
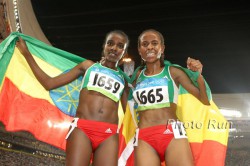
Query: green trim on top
pixel 153 106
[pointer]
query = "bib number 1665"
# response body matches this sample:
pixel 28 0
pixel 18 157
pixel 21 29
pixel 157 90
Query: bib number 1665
pixel 151 96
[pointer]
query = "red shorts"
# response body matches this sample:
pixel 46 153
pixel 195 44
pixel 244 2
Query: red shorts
pixel 96 131
pixel 158 137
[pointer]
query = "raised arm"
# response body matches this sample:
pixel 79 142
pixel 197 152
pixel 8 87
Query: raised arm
pixel 181 77
pixel 47 81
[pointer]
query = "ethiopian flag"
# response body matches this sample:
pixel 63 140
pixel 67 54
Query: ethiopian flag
pixel 127 133
pixel 206 128
pixel 24 104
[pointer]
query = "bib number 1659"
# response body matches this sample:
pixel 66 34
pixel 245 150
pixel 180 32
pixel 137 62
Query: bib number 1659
pixel 107 83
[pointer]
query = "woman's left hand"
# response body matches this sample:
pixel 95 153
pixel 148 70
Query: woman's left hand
pixel 194 65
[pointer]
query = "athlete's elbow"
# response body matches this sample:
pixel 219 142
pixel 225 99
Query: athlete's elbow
pixel 48 85
pixel 205 101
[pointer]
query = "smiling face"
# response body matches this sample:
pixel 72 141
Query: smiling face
pixel 114 47
pixel 150 46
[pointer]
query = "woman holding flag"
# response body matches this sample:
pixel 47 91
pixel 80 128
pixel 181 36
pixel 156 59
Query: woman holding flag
pixel 94 129
pixel 161 135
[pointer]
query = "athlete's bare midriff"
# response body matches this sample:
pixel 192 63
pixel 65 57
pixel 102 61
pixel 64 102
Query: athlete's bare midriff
pixel 154 117
pixel 96 106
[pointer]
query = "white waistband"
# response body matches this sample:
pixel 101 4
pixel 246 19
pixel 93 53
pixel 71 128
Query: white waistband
pixel 73 126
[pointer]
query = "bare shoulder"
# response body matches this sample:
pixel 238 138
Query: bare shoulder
pixel 175 72
pixel 86 64
pixel 179 76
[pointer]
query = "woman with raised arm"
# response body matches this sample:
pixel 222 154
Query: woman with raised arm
pixel 94 129
pixel 161 135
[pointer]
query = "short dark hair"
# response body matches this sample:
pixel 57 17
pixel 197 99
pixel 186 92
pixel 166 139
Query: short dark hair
pixel 120 32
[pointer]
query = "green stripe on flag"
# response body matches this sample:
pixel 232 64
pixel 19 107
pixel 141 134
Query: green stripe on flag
pixel 6 52
pixel 58 58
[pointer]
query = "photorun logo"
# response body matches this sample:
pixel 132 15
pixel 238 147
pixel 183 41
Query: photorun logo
pixel 211 124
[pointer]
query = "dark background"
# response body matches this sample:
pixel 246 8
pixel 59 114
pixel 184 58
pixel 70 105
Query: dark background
pixel 215 32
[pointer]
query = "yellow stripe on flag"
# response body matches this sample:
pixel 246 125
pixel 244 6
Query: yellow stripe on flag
pixel 26 81
pixel 129 126
pixel 202 122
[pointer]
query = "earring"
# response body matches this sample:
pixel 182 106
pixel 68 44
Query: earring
pixel 102 60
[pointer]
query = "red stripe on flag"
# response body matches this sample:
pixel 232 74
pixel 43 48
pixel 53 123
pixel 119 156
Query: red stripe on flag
pixel 209 153
pixel 122 141
pixel 130 161
pixel 122 147
pixel 19 111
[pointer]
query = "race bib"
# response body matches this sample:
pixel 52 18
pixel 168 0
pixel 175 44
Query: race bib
pixel 179 130
pixel 152 93
pixel 105 84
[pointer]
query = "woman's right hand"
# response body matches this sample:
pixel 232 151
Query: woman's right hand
pixel 22 47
